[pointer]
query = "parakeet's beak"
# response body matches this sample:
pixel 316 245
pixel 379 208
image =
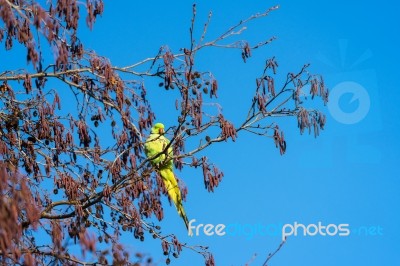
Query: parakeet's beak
pixel 161 131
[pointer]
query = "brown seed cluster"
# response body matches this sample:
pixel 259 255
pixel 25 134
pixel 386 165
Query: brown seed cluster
pixel 169 70
pixel 279 140
pixel 318 89
pixel 313 121
pixel 228 129
pixel 212 175
pixel 24 17
pixel 210 260
pixel 246 52
pixel 17 208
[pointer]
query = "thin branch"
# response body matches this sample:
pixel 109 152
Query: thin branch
pixel 270 255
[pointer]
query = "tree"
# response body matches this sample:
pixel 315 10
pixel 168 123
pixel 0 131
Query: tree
pixel 80 173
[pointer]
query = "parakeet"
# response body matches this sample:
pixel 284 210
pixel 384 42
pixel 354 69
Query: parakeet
pixel 154 145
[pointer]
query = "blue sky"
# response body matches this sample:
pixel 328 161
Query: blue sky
pixel 348 175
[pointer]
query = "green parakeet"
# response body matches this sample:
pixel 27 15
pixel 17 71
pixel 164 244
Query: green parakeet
pixel 154 145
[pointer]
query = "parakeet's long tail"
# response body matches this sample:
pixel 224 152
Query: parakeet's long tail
pixel 174 193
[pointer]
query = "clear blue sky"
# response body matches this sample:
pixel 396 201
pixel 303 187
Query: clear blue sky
pixel 349 175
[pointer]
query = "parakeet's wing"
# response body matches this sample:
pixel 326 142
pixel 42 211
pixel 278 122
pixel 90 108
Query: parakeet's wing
pixel 155 144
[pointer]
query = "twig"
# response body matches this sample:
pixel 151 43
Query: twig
pixel 270 255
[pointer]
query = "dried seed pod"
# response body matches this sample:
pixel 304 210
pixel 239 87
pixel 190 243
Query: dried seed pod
pixel 214 88
pixel 4 87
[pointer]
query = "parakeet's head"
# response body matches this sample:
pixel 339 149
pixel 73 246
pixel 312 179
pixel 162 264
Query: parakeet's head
pixel 158 128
